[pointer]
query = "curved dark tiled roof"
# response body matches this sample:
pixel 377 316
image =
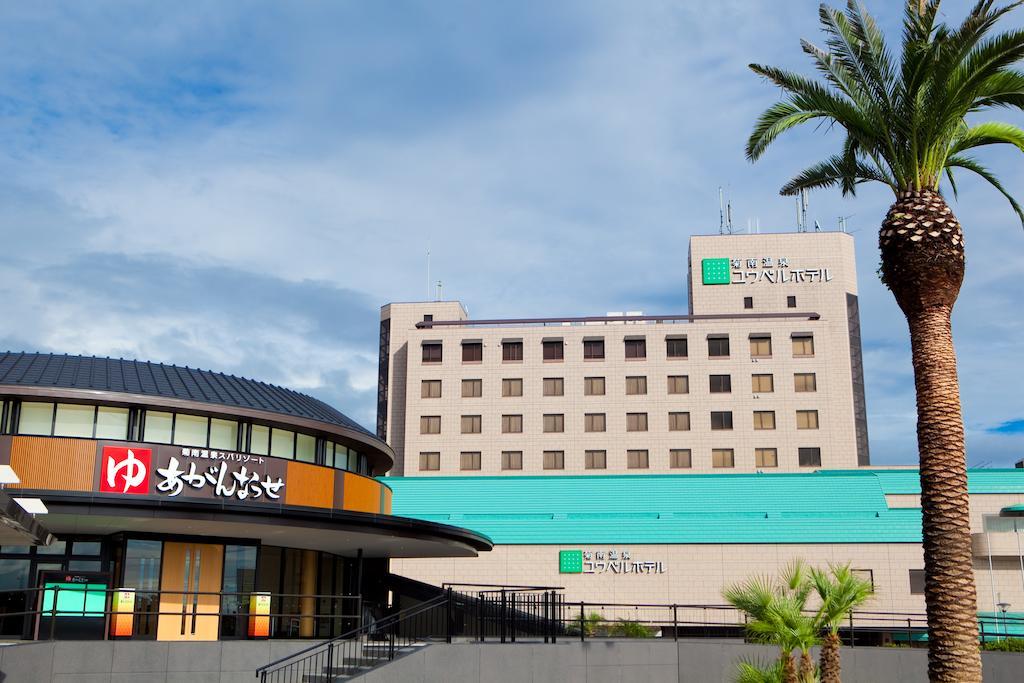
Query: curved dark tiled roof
pixel 165 381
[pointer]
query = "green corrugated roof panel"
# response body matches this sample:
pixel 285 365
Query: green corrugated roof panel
pixel 980 481
pixel 834 507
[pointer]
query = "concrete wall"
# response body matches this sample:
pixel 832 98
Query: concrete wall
pixel 152 662
pixel 651 662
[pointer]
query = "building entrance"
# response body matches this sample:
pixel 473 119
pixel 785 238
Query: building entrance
pixel 190 584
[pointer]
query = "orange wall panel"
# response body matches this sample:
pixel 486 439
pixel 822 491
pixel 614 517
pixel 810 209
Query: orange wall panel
pixel 361 494
pixel 55 464
pixel 385 500
pixel 309 485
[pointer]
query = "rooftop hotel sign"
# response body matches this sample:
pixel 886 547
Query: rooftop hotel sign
pixel 605 562
pixel 749 271
pixel 184 472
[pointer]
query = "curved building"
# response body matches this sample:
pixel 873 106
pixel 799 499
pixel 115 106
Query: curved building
pixel 196 490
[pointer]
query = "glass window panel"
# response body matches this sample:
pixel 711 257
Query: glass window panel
pixel 762 383
pixel 472 388
pixel 340 457
pixel 761 347
pixel 766 457
pixel 85 566
pixel 112 423
pixel 512 387
pixel 595 460
pixel 74 420
pixel 239 578
pixel 158 427
pixel 85 548
pixel 13 574
pixel 282 443
pixel 554 350
pixel 36 418
pixel 678 384
pixel 55 548
pixel 722 457
pixel 430 461
pixel 223 434
pixel 679 458
pixel 259 440
pixel 470 424
pixel 636 422
pixel 430 388
pixel 679 422
pixel 676 348
pixel 593 386
pixel 511 460
pixel 636 386
pixel 306 448
pixel 554 460
pixel 469 460
pixel 472 352
pixel 190 430
pixel 142 565
pixel 512 351
pixel 805 381
pixel 353 461
pixel 637 460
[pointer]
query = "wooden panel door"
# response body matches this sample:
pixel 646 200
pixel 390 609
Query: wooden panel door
pixel 190 583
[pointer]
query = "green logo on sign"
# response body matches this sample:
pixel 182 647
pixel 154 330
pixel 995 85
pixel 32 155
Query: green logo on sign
pixel 570 561
pixel 715 271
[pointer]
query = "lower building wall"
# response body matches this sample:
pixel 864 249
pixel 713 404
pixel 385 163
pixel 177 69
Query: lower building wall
pixel 696 574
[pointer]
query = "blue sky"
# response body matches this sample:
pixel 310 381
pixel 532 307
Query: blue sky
pixel 240 186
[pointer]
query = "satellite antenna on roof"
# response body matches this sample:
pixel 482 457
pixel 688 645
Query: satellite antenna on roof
pixel 817 226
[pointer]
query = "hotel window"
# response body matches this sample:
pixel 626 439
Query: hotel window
pixel 511 460
pixel 678 384
pixel 865 574
pixel 636 422
pixel 37 419
pixel 305 448
pixel 554 386
pixel 430 388
pixel 636 386
pixel 594 422
pixel 721 419
pixel 760 347
pixel 637 460
pixel 282 443
pixel 678 422
pixel 74 419
pixel 766 457
pixel 554 423
pixel 112 423
pixel 916 581
pixel 790 302
pixel 718 346
pixel 554 350
pixel 470 424
pixel 636 348
pixel 803 345
pixel 762 384
pixel 809 457
pixel 807 419
pixel 432 352
pixel 764 419
pixel 805 382
pixel 511 424
pixel 512 351
pixel 430 424
pixel 259 440
pixel 593 386
pixel 748 302
pixel 430 462
pixel 554 460
pixel 512 387
pixel 469 460
pixel 593 349
pixel 190 430
pixel 472 352
pixel 675 347
pixel 680 459
pixel 472 388
pixel 721 384
pixel 595 460
pixel 157 428
pixel 722 458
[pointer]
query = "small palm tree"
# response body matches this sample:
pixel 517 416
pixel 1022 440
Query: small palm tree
pixel 777 616
pixel 840 591
pixel 905 124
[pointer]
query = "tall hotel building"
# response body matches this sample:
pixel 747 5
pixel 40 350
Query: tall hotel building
pixel 763 373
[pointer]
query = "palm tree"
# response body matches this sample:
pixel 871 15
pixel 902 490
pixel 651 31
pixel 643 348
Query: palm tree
pixel 905 126
pixel 777 613
pixel 840 591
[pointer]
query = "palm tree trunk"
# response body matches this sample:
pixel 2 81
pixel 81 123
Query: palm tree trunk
pixel 923 265
pixel 806 667
pixel 829 659
pixel 788 668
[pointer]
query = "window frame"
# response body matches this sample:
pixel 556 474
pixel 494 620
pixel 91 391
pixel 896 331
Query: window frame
pixel 724 417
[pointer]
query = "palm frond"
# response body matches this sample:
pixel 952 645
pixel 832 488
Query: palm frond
pixel 970 164
pixel 839 171
pixel 989 133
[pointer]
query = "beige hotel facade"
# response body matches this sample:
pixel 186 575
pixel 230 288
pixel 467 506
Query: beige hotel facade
pixel 763 373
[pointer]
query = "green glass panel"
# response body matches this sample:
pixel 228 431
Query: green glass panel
pixel 570 561
pixel 715 271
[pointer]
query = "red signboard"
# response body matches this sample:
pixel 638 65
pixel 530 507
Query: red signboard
pixel 125 470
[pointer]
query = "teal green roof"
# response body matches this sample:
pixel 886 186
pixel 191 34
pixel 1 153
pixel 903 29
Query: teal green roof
pixel 815 507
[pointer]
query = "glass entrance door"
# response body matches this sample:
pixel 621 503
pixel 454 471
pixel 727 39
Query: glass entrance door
pixel 190 583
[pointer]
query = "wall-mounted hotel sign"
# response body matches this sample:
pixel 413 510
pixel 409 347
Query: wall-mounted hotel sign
pixel 605 562
pixel 749 271
pixel 177 471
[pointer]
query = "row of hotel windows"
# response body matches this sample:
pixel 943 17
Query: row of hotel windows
pixel 803 382
pixel 181 429
pixel 634 348
pixel 678 458
pixel 635 422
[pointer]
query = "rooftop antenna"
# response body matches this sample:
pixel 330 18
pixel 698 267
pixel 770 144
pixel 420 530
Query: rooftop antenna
pixel 842 222
pixel 728 217
pixel 802 204
pixel 817 226
pixel 439 290
pixel 757 225
pixel 721 211
pixel 428 270
pixel 799 224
